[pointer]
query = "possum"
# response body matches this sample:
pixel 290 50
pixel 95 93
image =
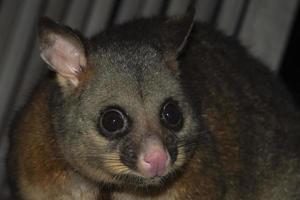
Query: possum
pixel 163 109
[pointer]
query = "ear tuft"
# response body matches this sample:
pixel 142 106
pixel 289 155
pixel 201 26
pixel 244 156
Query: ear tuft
pixel 176 33
pixel 63 50
pixel 177 30
pixel 188 24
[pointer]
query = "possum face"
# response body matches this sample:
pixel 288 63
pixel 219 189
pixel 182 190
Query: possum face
pixel 121 115
pixel 131 121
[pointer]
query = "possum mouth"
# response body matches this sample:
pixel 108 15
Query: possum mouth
pixel 136 180
pixel 141 181
pixel 153 180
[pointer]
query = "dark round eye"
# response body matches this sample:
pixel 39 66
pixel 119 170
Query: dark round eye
pixel 171 115
pixel 113 122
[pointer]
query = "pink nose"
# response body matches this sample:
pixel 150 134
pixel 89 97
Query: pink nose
pixel 155 163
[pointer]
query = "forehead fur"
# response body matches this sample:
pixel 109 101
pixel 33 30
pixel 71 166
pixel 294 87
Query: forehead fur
pixel 133 76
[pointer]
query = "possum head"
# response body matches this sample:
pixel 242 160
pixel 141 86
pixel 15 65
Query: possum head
pixel 120 114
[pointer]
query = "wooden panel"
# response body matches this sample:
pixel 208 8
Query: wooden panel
pixel 229 15
pixel 8 15
pixel 12 63
pixel 128 10
pixel 151 8
pixel 266 29
pixel 77 13
pixel 19 38
pixel 56 9
pixel 177 7
pixel 205 9
pixel 99 16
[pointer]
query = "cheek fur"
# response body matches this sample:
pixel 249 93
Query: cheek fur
pixel 172 146
pixel 113 164
pixel 129 153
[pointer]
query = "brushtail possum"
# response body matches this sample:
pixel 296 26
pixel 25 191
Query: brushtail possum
pixel 161 109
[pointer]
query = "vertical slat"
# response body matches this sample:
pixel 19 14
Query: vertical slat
pixel 205 10
pixel 241 19
pixel 15 53
pixel 229 15
pixel 77 13
pixel 19 41
pixel 151 8
pixel 128 10
pixel 177 7
pixel 56 9
pixel 164 7
pixel 8 14
pixel 266 29
pixel 216 12
pixel 99 16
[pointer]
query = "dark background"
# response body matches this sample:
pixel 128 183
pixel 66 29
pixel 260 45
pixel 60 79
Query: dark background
pixel 290 66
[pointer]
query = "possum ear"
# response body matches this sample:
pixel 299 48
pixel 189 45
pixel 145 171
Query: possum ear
pixel 177 31
pixel 63 50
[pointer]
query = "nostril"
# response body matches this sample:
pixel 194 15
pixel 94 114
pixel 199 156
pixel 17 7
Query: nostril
pixel 156 162
pixel 153 159
pixel 156 157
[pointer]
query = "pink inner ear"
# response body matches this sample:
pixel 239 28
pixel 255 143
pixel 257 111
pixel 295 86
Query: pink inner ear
pixel 65 56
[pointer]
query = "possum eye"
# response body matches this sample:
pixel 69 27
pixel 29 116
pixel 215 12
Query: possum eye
pixel 171 115
pixel 113 122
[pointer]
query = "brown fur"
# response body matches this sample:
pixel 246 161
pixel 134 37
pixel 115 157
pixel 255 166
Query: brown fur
pixel 40 167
